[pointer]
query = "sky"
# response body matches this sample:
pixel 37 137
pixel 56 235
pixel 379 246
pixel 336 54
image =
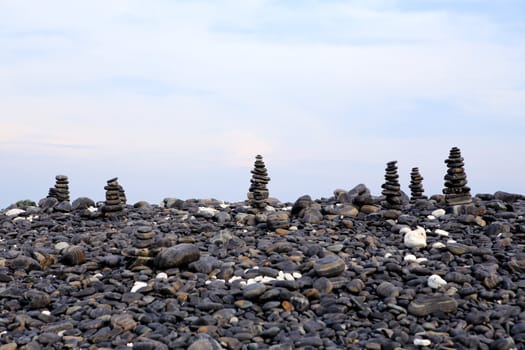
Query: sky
pixel 176 98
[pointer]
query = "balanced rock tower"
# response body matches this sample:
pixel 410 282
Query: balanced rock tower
pixel 258 193
pixel 416 185
pixel 61 189
pixel 115 198
pixel 391 187
pixel 456 190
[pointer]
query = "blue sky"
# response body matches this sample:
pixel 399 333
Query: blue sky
pixel 177 97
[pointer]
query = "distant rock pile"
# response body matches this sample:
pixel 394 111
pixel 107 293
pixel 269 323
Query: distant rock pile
pixel 416 185
pixel 258 193
pixel 456 190
pixel 115 197
pixel 391 187
pixel 61 189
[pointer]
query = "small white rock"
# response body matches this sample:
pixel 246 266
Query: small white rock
pixel 438 245
pixel 422 342
pixel 410 257
pixel 46 312
pixel 138 285
pixel 404 230
pixel 280 276
pixel 435 281
pixel 451 241
pixel 129 345
pixel 288 276
pixel 420 260
pixel 243 283
pixel 292 228
pixel 162 276
pixel 250 281
pixel 92 209
pixel 387 255
pixel 267 279
pixel 431 217
pixel 234 278
pixel 207 211
pixel 297 275
pixel 14 212
pixel 439 213
pixel 416 238
pixel 441 232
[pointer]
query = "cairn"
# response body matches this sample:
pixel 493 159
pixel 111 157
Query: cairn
pixel 258 193
pixel 391 187
pixel 456 190
pixel 416 185
pixel 61 189
pixel 115 198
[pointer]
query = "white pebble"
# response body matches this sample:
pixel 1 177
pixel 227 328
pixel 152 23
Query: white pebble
pixel 405 229
pixel 92 209
pixel 439 213
pixel 138 285
pixel 234 320
pixel 410 257
pixel 14 212
pixel 280 276
pixel 431 217
pixel 243 283
pixel 387 255
pixel 288 276
pixel 438 245
pixel 251 281
pixel 422 342
pixel 420 260
pixel 267 279
pixel 292 228
pixel 451 241
pixel 234 278
pixel 46 312
pixel 129 345
pixel 297 275
pixel 435 281
pixel 162 276
pixel 441 232
pixel 416 238
pixel 258 278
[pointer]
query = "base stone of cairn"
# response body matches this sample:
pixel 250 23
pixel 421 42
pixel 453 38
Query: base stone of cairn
pixel 416 185
pixel 115 198
pixel 456 191
pixel 391 188
pixel 258 193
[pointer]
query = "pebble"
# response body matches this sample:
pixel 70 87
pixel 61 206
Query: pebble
pixel 435 281
pixel 181 254
pixel 329 266
pixel 416 238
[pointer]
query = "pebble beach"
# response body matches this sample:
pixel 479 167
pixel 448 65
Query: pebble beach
pixel 349 271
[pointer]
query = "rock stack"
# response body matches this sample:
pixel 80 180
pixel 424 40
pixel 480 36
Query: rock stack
pixel 416 186
pixel 391 187
pixel 114 198
pixel 61 189
pixel 141 255
pixel 456 190
pixel 258 193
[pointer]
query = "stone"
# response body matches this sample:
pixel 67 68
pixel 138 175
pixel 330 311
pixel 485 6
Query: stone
pixel 456 190
pixel 416 238
pixel 329 266
pixel 258 192
pixel 178 255
pixel 72 255
pixel 435 281
pixel 301 204
pixel 416 186
pixel 82 203
pixel 427 305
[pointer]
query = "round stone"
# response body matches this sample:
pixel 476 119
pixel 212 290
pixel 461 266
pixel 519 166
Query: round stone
pixel 329 266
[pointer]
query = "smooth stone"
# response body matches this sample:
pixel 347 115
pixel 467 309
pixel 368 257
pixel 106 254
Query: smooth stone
pixel 426 305
pixel 329 266
pixel 254 290
pixel 435 281
pixel 181 254
pixel 416 238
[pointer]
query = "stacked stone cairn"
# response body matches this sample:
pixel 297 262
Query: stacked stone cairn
pixel 456 190
pixel 416 185
pixel 140 255
pixel 258 193
pixel 115 198
pixel 391 187
pixel 61 189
